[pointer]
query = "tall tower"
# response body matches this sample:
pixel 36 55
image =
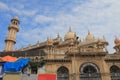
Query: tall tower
pixel 10 40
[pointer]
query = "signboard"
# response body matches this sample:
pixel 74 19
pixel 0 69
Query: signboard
pixel 46 76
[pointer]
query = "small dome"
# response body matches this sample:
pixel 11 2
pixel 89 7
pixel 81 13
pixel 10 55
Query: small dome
pixel 100 40
pixel 16 17
pixel 116 41
pixel 50 41
pixel 89 37
pixel 70 35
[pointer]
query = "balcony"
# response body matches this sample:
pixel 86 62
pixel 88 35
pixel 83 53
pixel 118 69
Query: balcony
pixel 13 26
pixel 10 39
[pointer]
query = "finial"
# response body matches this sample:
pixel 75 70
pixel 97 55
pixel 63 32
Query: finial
pixel 116 37
pixel 88 32
pixel 29 45
pixel 47 38
pixel 58 35
pixel 16 17
pixel 38 42
pixel 104 38
pixel 22 46
pixel 70 29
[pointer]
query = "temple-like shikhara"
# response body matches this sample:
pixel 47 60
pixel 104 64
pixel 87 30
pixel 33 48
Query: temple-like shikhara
pixel 70 59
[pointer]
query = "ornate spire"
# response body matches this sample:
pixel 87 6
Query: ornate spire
pixel 88 32
pixel 104 38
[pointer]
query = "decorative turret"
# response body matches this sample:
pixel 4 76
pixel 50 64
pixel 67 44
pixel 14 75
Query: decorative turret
pixel 117 41
pixel 117 45
pixel 10 40
pixel 102 44
pixel 58 37
pixel 50 41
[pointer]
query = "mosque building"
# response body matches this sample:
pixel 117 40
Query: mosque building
pixel 69 59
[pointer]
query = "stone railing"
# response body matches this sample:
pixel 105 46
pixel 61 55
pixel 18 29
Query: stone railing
pixel 33 46
pixel 10 38
pixel 113 57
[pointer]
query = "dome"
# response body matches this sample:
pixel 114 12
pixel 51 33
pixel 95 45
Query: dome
pixel 69 35
pixel 89 37
pixel 16 18
pixel 116 41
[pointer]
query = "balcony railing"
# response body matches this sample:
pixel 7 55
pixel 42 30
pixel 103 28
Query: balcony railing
pixel 115 76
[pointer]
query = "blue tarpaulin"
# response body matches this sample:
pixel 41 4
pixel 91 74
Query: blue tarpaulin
pixel 16 66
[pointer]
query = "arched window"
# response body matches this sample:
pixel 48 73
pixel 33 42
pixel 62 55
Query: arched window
pixel 62 73
pixel 115 72
pixel 90 47
pixel 89 71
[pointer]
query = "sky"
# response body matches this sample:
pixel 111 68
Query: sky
pixel 40 19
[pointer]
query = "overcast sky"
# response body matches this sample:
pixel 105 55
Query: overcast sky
pixel 40 19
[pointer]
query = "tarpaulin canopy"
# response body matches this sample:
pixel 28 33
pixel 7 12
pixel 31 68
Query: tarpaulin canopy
pixel 16 66
pixel 46 76
pixel 9 59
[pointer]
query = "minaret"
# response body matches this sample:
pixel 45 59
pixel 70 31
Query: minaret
pixel 10 40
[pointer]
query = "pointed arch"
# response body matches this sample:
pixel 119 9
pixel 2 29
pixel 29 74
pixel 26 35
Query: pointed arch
pixel 89 71
pixel 62 73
